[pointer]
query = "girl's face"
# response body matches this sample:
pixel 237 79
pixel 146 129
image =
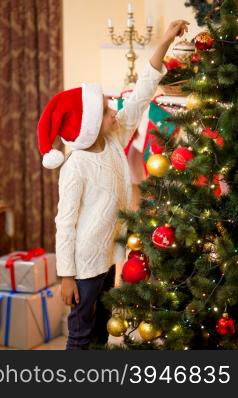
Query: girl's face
pixel 109 122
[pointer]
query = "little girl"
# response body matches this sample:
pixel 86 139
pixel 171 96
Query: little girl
pixel 94 183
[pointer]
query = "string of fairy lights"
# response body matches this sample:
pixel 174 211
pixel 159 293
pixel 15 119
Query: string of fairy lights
pixel 199 241
pixel 165 203
pixel 173 287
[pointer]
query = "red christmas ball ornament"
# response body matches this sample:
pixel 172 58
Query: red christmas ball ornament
pixel 140 255
pixel 163 237
pixel 201 181
pixel 204 41
pixel 226 326
pixel 180 158
pixel 219 141
pixel 135 270
pixel 195 58
pixel 173 63
pixel 214 135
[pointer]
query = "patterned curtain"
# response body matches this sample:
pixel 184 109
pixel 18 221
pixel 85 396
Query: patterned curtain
pixel 30 73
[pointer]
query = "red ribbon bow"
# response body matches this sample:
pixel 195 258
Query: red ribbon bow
pixel 25 256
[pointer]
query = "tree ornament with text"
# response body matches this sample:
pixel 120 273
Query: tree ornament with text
pixel 180 158
pixel 163 237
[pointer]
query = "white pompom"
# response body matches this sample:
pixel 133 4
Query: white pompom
pixel 53 159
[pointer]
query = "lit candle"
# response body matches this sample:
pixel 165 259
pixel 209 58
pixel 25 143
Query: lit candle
pixel 109 23
pixel 150 21
pixel 129 22
pixel 130 8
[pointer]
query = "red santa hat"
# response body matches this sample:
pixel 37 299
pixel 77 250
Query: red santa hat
pixel 74 115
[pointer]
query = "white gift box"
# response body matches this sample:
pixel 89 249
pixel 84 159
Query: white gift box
pixel 28 320
pixel 29 276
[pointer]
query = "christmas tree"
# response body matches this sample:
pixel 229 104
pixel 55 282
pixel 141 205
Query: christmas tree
pixel 204 8
pixel 180 282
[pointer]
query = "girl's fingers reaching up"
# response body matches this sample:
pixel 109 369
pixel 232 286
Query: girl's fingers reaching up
pixel 176 28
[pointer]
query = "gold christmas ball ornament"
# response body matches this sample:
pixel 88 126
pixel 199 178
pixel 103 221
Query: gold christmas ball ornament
pixel 193 102
pixel 148 332
pixel 183 50
pixel 134 242
pixel 158 165
pixel 117 326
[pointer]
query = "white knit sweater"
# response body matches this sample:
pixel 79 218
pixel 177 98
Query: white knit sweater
pixel 93 187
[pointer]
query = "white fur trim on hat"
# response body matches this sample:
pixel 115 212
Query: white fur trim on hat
pixel 92 116
pixel 53 159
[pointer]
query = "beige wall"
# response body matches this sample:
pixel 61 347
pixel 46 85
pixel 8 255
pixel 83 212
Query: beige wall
pixel 85 34
pixel 88 52
pixel 175 9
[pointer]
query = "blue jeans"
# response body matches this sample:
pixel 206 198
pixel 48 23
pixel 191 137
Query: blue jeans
pixel 88 319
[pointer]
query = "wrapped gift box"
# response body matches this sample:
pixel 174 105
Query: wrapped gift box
pixel 27 272
pixel 65 321
pixel 65 326
pixel 28 320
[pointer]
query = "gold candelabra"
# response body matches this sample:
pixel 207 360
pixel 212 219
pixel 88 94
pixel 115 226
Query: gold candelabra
pixel 131 35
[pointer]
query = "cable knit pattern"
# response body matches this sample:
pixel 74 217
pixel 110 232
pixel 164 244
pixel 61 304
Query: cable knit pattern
pixel 93 187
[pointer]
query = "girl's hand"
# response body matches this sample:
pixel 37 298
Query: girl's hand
pixel 176 28
pixel 68 290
